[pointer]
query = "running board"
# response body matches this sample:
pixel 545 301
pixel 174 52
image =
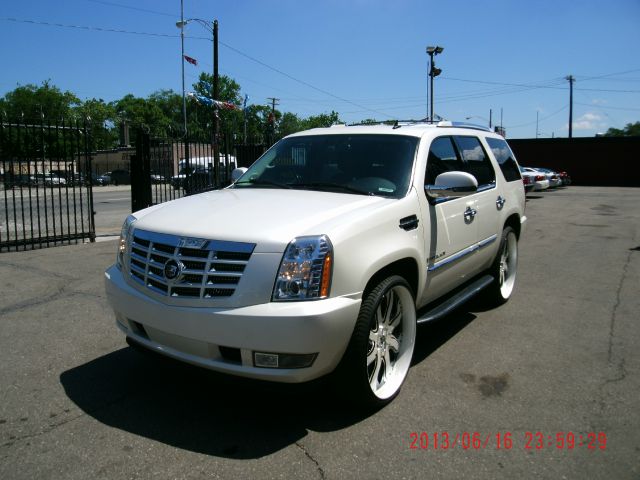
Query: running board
pixel 451 303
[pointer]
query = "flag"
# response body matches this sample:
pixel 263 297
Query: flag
pixel 212 102
pixel 191 60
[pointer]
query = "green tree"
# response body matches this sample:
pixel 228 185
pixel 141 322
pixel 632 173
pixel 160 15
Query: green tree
pixel 170 103
pixel 630 130
pixel 101 117
pixel 289 123
pixel 140 111
pixel 322 120
pixel 229 91
pixel 32 102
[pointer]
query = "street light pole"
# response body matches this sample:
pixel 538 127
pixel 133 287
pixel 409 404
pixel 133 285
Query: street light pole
pixel 433 72
pixel 184 100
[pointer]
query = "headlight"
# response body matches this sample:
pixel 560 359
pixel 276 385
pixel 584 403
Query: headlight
pixel 305 270
pixel 124 239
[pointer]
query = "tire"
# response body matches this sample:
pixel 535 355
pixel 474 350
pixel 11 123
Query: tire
pixel 504 270
pixel 379 353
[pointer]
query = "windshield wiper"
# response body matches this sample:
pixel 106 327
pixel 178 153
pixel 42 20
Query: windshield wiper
pixel 336 186
pixel 259 181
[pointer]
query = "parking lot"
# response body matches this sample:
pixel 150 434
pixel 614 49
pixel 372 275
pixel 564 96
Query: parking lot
pixel 546 386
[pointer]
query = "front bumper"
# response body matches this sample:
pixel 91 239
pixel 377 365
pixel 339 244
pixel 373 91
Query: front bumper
pixel 195 334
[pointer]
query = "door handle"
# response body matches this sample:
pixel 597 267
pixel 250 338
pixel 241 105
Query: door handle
pixel 469 214
pixel 500 202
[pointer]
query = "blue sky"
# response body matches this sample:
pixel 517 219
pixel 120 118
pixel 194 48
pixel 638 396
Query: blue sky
pixel 361 58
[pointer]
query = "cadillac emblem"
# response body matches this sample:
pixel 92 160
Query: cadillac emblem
pixel 173 270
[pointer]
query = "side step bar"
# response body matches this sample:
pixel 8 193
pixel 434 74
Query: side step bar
pixel 445 307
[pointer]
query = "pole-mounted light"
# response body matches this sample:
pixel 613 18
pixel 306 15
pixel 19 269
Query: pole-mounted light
pixel 433 72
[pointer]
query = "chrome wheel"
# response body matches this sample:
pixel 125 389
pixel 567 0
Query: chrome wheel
pixel 508 265
pixel 391 341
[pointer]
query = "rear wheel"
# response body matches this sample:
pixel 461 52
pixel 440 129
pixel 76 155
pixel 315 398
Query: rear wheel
pixel 504 269
pixel 379 354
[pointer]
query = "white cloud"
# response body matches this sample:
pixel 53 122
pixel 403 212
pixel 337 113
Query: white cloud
pixel 588 121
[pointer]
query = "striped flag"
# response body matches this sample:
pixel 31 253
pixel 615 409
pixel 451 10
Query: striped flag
pixel 190 60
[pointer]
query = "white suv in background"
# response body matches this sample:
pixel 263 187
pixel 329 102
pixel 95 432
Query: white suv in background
pixel 325 255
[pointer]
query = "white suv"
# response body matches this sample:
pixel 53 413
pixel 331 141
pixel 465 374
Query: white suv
pixel 325 255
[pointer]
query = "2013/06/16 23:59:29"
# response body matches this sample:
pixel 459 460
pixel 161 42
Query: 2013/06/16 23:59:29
pixel 507 440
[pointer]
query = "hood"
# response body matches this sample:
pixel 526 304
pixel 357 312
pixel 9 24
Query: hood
pixel 270 218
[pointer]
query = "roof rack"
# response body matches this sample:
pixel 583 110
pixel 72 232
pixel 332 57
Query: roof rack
pixel 471 126
pixel 436 123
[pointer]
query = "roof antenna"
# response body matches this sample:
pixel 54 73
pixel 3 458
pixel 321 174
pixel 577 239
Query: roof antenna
pixel 396 125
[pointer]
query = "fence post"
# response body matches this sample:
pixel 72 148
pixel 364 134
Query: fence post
pixel 141 173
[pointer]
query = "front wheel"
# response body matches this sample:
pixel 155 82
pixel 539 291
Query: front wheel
pixel 379 354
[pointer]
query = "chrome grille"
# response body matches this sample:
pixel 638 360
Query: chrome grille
pixel 208 268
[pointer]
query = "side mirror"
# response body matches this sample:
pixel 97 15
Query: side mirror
pixel 237 173
pixel 452 184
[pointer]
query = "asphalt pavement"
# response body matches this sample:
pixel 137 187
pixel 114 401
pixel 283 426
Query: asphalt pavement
pixel 546 386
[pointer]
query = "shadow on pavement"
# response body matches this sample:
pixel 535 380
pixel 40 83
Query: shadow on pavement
pixel 431 336
pixel 199 410
pixel 215 414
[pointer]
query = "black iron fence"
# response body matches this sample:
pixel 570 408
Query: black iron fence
pixel 46 194
pixel 165 168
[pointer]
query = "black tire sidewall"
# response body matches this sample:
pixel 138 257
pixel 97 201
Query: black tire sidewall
pixel 352 372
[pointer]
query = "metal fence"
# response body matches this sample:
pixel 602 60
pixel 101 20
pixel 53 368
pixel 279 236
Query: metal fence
pixel 46 194
pixel 166 168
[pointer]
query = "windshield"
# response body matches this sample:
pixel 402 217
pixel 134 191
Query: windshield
pixel 357 164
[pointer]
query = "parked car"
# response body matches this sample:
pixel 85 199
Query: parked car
pixel 48 179
pixel 200 171
pixel 103 179
pixel 553 177
pixel 566 179
pixel 324 255
pixel 528 183
pixel 81 179
pixel 12 180
pixel 535 178
pixel 115 177
pixel 157 178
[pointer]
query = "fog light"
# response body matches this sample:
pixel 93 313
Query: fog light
pixel 283 360
pixel 266 360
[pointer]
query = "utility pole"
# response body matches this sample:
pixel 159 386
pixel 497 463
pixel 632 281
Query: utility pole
pixel 274 102
pixel 490 118
pixel 216 95
pixel 537 124
pixel 571 80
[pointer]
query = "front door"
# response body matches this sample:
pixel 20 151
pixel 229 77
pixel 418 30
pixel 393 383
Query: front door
pixel 452 226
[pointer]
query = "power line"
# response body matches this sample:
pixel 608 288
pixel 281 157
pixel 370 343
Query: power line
pixel 550 86
pixel 607 107
pixel 539 120
pixel 239 52
pixel 606 75
pixel 548 83
pixel 86 27
pixel 129 7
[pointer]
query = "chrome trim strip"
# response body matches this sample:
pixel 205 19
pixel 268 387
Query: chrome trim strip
pixel 463 253
pixel 453 258
pixel 175 241
pixel 487 241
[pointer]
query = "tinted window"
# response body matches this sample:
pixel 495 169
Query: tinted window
pixel 505 158
pixel 442 158
pixel 478 164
